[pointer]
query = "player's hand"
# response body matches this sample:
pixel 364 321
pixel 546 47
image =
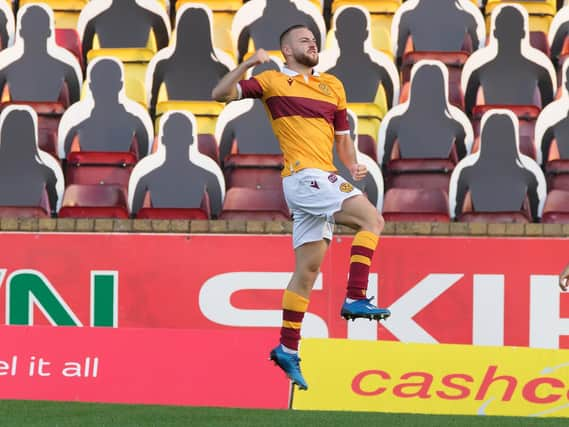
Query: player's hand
pixel 259 57
pixel 563 278
pixel 358 171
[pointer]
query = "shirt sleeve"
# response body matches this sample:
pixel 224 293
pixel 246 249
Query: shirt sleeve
pixel 254 87
pixel 341 123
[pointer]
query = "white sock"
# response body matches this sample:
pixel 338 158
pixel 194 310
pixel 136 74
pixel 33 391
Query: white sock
pixel 288 350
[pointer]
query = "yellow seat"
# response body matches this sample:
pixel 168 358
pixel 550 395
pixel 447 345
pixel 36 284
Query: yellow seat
pixel 540 13
pixel 381 13
pixel 206 112
pixel 135 62
pixel 65 12
pixel 223 12
pixel 369 116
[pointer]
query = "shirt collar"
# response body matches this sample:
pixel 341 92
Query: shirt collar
pixel 292 73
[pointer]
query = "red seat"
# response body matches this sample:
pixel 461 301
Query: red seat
pixel 454 62
pixel 41 211
pixel 494 217
pixel 150 212
pixel 368 146
pixel 49 115
pixel 556 209
pixel 557 174
pixel 258 171
pixel 208 145
pixel 538 40
pixel 527 116
pixel 95 167
pixel 249 203
pixel 94 201
pixel 413 204
pixel 69 39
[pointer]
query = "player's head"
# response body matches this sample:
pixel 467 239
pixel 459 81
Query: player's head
pixel 298 44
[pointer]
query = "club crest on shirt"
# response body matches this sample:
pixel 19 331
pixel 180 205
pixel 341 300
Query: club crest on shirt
pixel 289 81
pixel 325 89
pixel 346 187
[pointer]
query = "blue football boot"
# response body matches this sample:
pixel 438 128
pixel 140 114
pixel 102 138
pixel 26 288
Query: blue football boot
pixel 363 308
pixel 289 363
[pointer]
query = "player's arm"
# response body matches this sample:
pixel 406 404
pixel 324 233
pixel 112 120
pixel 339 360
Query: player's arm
pixel 226 89
pixel 347 155
pixel 563 276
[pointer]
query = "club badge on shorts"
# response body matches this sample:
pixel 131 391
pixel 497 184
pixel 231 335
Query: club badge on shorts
pixel 332 178
pixel 346 187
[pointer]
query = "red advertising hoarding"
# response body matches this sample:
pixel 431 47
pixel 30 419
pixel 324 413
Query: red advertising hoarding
pixel 449 290
pixel 127 365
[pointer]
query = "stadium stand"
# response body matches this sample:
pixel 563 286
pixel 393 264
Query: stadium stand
pixel 177 160
pixel 497 183
pixel 31 180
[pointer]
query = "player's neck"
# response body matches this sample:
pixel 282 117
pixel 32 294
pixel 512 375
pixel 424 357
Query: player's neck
pixel 300 69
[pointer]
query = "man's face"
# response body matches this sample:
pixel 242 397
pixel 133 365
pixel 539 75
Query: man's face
pixel 303 46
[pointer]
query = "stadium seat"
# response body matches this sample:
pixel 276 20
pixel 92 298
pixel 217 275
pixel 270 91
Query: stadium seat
pixel 497 183
pixel 253 204
pixel 421 140
pixel 381 14
pixel 69 39
pixel 540 13
pixel 258 23
pixel 177 174
pixel 66 12
pixel 556 209
pixel 499 74
pixel 552 138
pixel 527 116
pixel 150 212
pixel 368 75
pixel 223 13
pixel 118 24
pixel 105 120
pixel 31 180
pixel 416 204
pixel 93 201
pixel 429 26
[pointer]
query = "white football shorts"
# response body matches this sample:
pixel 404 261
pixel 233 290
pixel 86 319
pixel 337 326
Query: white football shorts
pixel 313 197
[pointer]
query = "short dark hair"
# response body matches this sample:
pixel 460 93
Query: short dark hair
pixel 289 29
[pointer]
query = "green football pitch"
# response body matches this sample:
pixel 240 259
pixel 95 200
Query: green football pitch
pixel 54 414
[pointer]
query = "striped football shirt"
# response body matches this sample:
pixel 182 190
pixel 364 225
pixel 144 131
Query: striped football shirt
pixel 305 113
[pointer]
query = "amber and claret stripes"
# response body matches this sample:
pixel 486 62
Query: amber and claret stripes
pixel 294 307
pixel 363 248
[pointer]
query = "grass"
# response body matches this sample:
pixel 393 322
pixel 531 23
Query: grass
pixel 56 414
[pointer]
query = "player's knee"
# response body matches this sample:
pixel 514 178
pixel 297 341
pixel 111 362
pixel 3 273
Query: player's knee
pixel 374 222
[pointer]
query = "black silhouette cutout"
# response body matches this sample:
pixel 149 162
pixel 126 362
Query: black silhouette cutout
pixel 190 68
pixel 263 21
pixel 123 24
pixel 498 177
pixel 245 122
pixel 558 33
pixel 176 176
pixel 35 69
pixel 426 126
pixel 361 73
pixel 553 125
pixel 508 71
pixel 435 25
pixel 25 171
pixel 6 25
pixel 106 120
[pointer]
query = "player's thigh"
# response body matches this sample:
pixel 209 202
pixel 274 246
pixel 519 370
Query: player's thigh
pixel 357 211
